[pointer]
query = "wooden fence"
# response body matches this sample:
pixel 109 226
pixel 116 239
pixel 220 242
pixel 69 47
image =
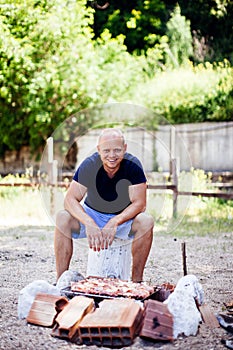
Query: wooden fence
pixel 170 187
pixel 173 187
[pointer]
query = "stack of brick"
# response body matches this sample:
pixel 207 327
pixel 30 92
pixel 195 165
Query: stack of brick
pixel 158 321
pixel 68 320
pixel 115 323
pixel 45 309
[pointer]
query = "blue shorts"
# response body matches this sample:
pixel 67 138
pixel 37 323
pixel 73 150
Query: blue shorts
pixel 101 219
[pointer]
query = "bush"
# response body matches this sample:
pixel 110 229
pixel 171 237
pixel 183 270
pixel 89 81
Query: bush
pixel 191 94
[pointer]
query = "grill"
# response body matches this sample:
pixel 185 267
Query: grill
pixel 159 293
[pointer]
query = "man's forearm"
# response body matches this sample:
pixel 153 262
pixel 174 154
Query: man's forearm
pixel 130 212
pixel 77 211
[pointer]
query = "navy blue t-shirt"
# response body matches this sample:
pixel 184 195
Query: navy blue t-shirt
pixel 104 194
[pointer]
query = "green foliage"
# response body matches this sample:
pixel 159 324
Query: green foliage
pixel 191 94
pixel 51 67
pixel 204 224
pixel 136 20
pixel 195 180
pixel 41 82
pixel 118 70
pixel 144 22
pixel 10 191
pixel 208 210
pixel 214 103
pixel 211 20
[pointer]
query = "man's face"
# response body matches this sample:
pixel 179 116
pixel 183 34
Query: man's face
pixel 111 149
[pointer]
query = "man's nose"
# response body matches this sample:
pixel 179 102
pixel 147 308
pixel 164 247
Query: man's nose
pixel 112 153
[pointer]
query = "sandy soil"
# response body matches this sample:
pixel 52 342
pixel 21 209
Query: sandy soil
pixel 26 254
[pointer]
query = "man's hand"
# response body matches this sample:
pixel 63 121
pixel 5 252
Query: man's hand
pixel 108 233
pixel 94 237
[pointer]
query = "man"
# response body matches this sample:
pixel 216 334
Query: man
pixel 114 187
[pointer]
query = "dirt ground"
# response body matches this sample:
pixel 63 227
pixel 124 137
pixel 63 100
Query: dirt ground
pixel 26 254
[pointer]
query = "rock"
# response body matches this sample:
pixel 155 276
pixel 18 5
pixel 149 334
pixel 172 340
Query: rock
pixel 67 277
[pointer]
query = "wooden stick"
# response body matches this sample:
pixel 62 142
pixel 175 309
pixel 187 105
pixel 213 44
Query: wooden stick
pixel 50 149
pixel 183 247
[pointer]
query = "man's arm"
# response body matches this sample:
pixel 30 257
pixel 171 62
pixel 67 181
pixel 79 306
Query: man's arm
pixel 75 194
pixel 137 195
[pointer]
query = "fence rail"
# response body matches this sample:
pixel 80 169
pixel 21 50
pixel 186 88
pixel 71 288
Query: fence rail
pixel 176 193
pixel 224 195
pixel 174 188
pixel 171 187
pixel 32 184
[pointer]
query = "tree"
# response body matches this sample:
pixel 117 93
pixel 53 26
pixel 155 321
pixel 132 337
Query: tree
pixel 211 22
pixel 51 68
pixel 40 80
pixel 134 19
pixel 144 22
pixel 180 39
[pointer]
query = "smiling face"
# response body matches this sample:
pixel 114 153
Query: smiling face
pixel 111 148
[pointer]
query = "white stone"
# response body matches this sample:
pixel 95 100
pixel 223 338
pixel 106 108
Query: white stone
pixel 191 284
pixel 68 276
pixel 182 305
pixel 28 293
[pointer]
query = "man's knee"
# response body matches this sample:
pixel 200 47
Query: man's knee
pixel 143 223
pixel 63 216
pixel 65 222
pixel 149 221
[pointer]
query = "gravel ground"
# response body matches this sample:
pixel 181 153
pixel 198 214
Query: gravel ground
pixel 26 255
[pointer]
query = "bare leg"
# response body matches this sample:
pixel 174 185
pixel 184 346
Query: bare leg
pixel 143 227
pixel 63 244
